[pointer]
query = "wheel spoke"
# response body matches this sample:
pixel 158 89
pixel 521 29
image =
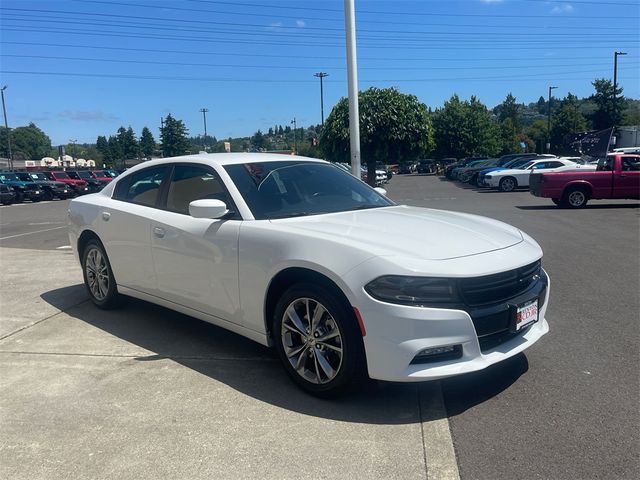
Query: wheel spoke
pixel 300 361
pixel 328 336
pixel 295 320
pixel 316 368
pixel 296 350
pixel 330 346
pixel 325 365
pixel 317 316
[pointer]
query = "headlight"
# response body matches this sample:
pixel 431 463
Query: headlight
pixel 412 290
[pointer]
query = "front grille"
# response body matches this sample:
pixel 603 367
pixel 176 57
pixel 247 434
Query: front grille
pixel 500 286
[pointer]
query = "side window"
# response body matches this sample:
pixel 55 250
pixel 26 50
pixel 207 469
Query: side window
pixel 631 164
pixel 554 164
pixel 142 187
pixel 194 182
pixel 605 164
pixel 539 166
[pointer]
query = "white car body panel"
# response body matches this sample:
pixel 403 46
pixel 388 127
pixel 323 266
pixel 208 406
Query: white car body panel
pixel 492 179
pixel 220 270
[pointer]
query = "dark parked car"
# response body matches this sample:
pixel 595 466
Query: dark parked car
pixel 426 166
pixel 7 195
pixel 94 184
pixel 50 189
pixel 405 168
pixel 24 190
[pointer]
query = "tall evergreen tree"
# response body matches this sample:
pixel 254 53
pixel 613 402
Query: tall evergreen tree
pixel 174 137
pixel 608 113
pixel 147 143
pixel 566 119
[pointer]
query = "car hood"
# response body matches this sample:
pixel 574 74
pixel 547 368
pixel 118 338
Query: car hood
pixel 510 171
pixel 422 233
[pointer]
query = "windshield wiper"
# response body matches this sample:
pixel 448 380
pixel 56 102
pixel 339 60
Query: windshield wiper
pixel 365 207
pixel 292 214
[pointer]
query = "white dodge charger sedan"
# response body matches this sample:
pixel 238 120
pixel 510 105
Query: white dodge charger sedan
pixel 510 179
pixel 298 254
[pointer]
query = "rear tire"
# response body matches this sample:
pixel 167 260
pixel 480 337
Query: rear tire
pixel 576 197
pixel 98 276
pixel 556 201
pixel 318 340
pixel 48 195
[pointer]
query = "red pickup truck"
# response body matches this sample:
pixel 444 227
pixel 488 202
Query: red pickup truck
pixel 617 176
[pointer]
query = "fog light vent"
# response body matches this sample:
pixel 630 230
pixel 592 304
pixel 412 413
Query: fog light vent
pixel 438 354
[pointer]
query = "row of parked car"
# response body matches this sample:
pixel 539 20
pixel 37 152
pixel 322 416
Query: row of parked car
pixel 16 187
pixel 512 171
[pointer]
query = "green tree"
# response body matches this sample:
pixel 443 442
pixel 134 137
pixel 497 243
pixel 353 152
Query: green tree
pixel 509 139
pixel 509 109
pixel 147 143
pixel 258 141
pixel 393 126
pixel 465 128
pixel 115 152
pixel 27 143
pixel 541 105
pixel 537 132
pixel 174 137
pixel 608 112
pixel 102 145
pixel 565 120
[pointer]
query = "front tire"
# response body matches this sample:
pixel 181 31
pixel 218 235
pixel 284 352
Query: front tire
pixel 318 340
pixel 508 184
pixel 98 276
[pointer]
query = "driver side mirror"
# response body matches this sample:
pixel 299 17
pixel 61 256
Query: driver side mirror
pixel 208 208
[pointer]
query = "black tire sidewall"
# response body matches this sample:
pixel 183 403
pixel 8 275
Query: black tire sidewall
pixel 353 363
pixel 500 186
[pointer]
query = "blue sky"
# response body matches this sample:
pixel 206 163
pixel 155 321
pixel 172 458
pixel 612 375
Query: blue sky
pixel 82 68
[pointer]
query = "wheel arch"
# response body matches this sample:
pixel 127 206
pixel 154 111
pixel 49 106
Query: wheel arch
pixel 581 184
pixel 84 238
pixel 288 277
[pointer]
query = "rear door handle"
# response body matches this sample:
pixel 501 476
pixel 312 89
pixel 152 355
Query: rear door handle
pixel 106 216
pixel 158 232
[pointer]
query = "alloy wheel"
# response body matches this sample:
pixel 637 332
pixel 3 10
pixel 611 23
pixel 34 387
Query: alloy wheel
pixel 97 274
pixel 577 198
pixel 312 340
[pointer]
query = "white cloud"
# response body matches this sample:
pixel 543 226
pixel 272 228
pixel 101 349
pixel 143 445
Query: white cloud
pixel 300 23
pixel 564 8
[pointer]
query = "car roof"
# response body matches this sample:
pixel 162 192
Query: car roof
pixel 229 159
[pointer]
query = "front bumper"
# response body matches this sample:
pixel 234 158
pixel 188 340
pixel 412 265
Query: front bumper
pixel 492 182
pixel 397 333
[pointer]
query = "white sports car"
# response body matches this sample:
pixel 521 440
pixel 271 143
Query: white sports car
pixel 300 255
pixel 509 180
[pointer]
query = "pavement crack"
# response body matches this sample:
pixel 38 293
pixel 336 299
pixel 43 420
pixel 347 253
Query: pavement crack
pixel 25 327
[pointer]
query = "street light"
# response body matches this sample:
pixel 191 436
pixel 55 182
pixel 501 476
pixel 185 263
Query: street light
pixel 295 140
pixel 6 125
pixel 615 83
pixel 549 122
pixel 321 75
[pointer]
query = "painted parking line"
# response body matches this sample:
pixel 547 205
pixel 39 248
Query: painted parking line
pixel 31 233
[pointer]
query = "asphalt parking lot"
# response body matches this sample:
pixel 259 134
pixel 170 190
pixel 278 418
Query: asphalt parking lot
pixel 144 392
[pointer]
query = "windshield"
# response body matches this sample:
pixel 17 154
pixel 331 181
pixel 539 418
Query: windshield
pixel 61 175
pixel 83 174
pixel 10 176
pixel 292 189
pixel 38 176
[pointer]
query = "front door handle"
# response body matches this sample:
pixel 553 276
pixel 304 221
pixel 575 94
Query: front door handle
pixel 158 232
pixel 106 216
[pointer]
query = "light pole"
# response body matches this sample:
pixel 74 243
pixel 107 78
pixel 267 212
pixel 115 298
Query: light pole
pixel 204 118
pixel 549 121
pixel 6 125
pixel 352 74
pixel 295 140
pixel 321 75
pixel 615 84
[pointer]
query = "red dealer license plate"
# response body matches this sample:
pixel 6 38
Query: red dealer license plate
pixel 526 314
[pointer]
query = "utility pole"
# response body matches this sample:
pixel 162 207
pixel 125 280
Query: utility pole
pixel 321 75
pixel 6 125
pixel 549 121
pixel 615 84
pixel 295 140
pixel 204 117
pixel 352 73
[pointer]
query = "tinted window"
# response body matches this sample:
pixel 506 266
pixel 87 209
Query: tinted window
pixel 291 189
pixel 193 182
pixel 142 187
pixel 554 164
pixel 631 164
pixel 605 164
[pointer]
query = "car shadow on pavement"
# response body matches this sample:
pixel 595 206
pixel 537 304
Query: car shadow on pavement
pixel 597 206
pixel 253 369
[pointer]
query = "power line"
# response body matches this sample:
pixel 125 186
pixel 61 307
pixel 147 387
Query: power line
pixel 474 45
pixel 297 67
pixel 306 56
pixel 412 14
pixel 272 81
pixel 537 28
